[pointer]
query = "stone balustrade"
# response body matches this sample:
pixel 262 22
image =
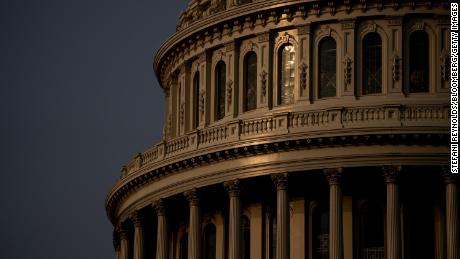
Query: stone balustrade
pixel 302 122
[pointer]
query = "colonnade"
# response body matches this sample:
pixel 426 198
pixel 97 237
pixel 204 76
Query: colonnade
pixel 393 244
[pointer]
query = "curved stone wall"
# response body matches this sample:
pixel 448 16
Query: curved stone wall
pixel 259 90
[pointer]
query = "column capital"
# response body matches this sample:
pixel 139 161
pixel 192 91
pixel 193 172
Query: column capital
pixel 160 207
pixel 449 178
pixel 137 218
pixel 233 187
pixel 333 175
pixel 116 240
pixel 122 230
pixel 192 197
pixel 280 181
pixel 391 173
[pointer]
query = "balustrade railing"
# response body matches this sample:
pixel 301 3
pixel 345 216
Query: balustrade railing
pixel 303 122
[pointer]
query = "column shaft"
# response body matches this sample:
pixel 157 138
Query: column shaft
pixel 162 231
pixel 234 228
pixel 282 216
pixel 138 252
pixel 335 213
pixel 452 221
pixel 393 224
pixel 194 225
pixel 124 243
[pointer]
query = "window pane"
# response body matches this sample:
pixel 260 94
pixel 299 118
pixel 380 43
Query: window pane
pixel 220 85
pixel 196 98
pixel 327 68
pixel 286 70
pixel 418 64
pixel 372 64
pixel 250 86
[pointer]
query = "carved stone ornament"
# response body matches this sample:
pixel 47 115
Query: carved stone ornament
pixel 182 113
pixel 303 75
pixel 316 10
pixel 347 4
pixel 391 173
pixel 263 81
pixel 347 69
pixel 333 175
pixel 445 58
pixel 233 188
pixel 123 231
pixel 229 91
pixel 332 7
pixel 201 104
pixel 137 218
pixel 139 160
pixel 280 181
pixel 395 65
pixel 160 207
pixel 192 197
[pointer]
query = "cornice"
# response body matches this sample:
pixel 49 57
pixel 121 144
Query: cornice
pixel 263 12
pixel 134 182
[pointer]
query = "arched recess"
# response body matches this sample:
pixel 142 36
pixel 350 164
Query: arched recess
pixel 250 81
pixel 373 61
pixel 372 64
pixel 327 68
pixel 286 63
pixel 196 99
pixel 418 62
pixel 220 89
pixel 421 40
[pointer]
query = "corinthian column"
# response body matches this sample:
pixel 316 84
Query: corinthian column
pixel 393 229
pixel 194 225
pixel 116 243
pixel 234 228
pixel 282 215
pixel 138 252
pixel 124 243
pixel 452 222
pixel 335 213
pixel 162 231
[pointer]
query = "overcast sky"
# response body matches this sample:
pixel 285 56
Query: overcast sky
pixel 78 98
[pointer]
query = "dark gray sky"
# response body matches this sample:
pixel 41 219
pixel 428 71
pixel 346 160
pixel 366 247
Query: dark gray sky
pixel 78 98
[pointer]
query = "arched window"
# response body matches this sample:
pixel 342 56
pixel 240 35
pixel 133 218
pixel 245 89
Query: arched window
pixel 220 76
pixel 286 74
pixel 209 242
pixel 327 78
pixel 418 62
pixel 183 247
pixel 372 64
pixel 246 229
pixel 196 99
pixel 250 81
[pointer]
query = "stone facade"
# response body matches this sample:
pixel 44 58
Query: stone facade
pixel 297 129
